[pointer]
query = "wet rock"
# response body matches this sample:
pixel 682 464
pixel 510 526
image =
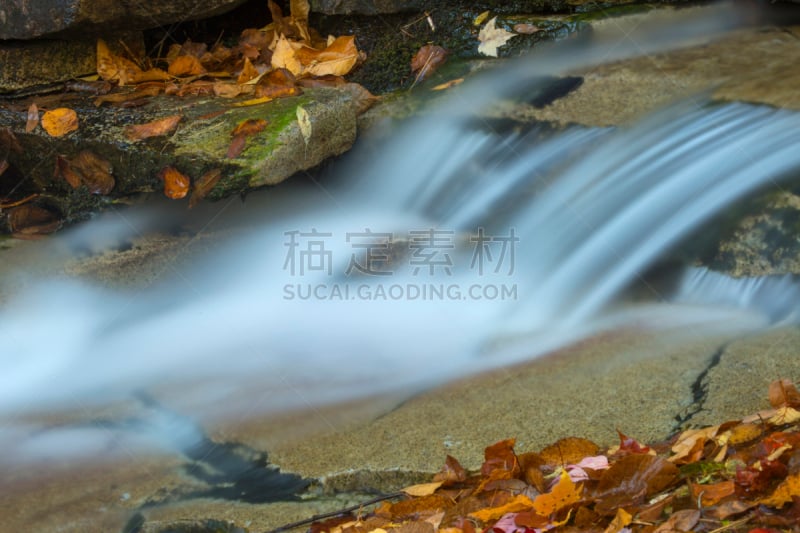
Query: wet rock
pixel 365 7
pixel 46 61
pixel 21 19
pixel 200 144
pixel 764 243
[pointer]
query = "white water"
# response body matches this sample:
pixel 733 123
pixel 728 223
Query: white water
pixel 591 209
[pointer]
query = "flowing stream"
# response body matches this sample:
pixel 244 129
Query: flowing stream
pixel 459 250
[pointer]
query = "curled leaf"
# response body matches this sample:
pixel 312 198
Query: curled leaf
pixel 28 221
pixel 491 38
pixel 156 128
pixel 32 118
pixel 204 185
pixel 186 65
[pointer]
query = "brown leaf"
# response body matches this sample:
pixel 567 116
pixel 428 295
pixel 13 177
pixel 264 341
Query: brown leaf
pixel 451 472
pixel 632 479
pixel 569 450
pixel 32 119
pixel 689 446
pixel 500 456
pixel 123 71
pixel 526 28
pixel 248 73
pixel 782 392
pixel 204 185
pixel 277 91
pixel 362 98
pixel 236 147
pixel 64 169
pixel 622 519
pixel 186 65
pixel 684 520
pixel 118 98
pixel 61 121
pixel 249 127
pixel 427 59
pixel 176 184
pixel 30 220
pixel 95 172
pixel 711 494
pixel 9 141
pixel 156 128
pixel 227 90
pixel 409 508
pixel 423 489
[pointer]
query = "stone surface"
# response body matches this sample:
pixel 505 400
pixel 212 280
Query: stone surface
pixel 23 19
pixel 47 61
pixel 765 243
pixel 365 7
pixel 200 143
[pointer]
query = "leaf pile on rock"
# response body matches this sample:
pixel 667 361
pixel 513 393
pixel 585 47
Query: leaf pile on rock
pixel 742 475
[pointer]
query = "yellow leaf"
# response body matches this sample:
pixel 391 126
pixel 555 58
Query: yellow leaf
pixel 565 493
pixel 622 519
pixel 447 84
pixel 423 489
pixel 61 121
pixel 518 504
pixel 284 57
pixel 784 492
pixel 784 415
pixel 337 59
pixel 480 18
pixel 253 101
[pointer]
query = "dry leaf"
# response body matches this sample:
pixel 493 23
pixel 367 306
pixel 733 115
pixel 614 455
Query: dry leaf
pixel 427 59
pixel 204 185
pixel 115 68
pixel 61 121
pixel 564 494
pixel 526 28
pixel 186 65
pixel 95 172
pixel 248 127
pixel 491 38
pixel 28 221
pixel 711 494
pixel 362 98
pixel 622 519
pixel 156 128
pixel 227 90
pixel 519 503
pixel 569 450
pixel 176 184
pixel 447 84
pixel 249 72
pixel 480 18
pixel 451 472
pixel 423 489
pixel 684 520
pixel 782 392
pixel 304 121
pixel 783 493
pixel 64 169
pixel 32 118
pixel 236 147
pixel 118 98
pixel 253 101
pixel 632 479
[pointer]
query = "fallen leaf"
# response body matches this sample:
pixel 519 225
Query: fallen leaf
pixel 118 69
pixel 248 127
pixel 689 446
pixel 632 479
pixel 253 101
pixel 784 415
pixel 563 494
pixel 156 128
pixel 423 489
pixel 29 220
pixel 117 98
pixel 204 185
pixel 783 493
pixel 9 141
pixel 94 171
pixel 569 450
pixel 500 456
pixel 491 38
pixel 61 121
pixel 684 520
pixel 712 493
pixel 526 28
pixel 427 59
pixel 176 184
pixel 451 472
pixel 621 519
pixel 64 169
pixel 362 98
pixel 304 121
pixel 447 84
pixel 3 166
pixel 227 90
pixel 480 18
pixel 248 73
pixel 782 392
pixel 517 504
pixel 32 118
pixel 186 65
pixel 236 147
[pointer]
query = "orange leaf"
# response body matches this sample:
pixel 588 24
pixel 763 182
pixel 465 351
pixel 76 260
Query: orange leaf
pixel 689 446
pixel 176 184
pixel 32 119
pixel 783 493
pixel 248 73
pixel 137 132
pixel 569 450
pixel 519 503
pixel 622 519
pixel 61 121
pixel 115 68
pixel 451 471
pixel 711 494
pixel 500 456
pixel 564 494
pixel 248 127
pixel 423 489
pixel 186 66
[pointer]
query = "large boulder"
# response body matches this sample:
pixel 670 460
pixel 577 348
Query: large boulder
pixel 21 19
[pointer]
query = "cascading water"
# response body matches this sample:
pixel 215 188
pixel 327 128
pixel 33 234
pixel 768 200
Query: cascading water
pixel 479 249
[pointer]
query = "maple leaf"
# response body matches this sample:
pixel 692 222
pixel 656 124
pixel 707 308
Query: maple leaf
pixel 492 37
pixel 519 503
pixel 564 494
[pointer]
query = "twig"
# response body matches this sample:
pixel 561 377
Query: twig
pixel 733 524
pixel 331 514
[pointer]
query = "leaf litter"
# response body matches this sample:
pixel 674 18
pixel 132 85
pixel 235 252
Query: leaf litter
pixel 742 475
